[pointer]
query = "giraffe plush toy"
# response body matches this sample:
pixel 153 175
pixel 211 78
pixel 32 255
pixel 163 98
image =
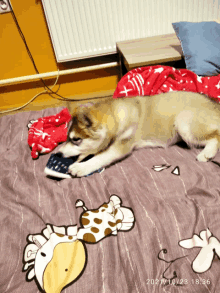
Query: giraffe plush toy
pixel 57 256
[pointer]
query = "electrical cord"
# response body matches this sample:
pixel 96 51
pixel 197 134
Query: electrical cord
pixel 28 50
pixel 37 95
pixel 48 90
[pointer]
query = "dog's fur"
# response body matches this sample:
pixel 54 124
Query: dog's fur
pixel 110 130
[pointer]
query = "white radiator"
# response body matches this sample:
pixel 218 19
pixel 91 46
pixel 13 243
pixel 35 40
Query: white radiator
pixel 84 28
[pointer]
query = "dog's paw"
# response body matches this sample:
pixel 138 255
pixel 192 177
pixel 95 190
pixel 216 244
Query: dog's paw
pixel 202 157
pixel 79 169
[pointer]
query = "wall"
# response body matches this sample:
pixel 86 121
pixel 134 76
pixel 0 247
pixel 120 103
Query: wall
pixel 15 61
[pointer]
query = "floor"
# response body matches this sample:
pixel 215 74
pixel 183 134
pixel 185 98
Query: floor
pixel 55 103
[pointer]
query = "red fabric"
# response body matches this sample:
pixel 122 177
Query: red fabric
pixel 152 80
pixel 45 133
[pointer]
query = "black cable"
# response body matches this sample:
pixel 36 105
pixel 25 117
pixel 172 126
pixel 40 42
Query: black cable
pixel 29 52
pixel 34 64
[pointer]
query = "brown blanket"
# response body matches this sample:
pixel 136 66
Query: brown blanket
pixel 149 223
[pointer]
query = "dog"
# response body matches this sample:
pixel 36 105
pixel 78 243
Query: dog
pixel 111 129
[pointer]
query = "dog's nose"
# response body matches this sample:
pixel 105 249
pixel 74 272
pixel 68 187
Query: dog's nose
pixel 62 152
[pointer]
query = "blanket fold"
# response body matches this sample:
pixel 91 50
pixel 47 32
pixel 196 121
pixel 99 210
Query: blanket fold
pixel 46 133
pixel 152 80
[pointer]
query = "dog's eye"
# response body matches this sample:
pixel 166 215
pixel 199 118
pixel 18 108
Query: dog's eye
pixel 76 140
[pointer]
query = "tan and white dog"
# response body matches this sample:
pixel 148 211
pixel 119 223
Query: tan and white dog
pixel 110 130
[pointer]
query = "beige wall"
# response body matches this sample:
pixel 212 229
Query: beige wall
pixel 15 61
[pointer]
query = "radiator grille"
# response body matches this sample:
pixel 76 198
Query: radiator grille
pixel 84 28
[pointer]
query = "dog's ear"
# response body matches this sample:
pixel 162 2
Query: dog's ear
pixel 85 119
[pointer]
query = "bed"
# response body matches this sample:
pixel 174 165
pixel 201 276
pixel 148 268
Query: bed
pixel 149 223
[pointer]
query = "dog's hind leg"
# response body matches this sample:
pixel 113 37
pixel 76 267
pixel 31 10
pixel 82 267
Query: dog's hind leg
pixel 199 131
pixel 210 150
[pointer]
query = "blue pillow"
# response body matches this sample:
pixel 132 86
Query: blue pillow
pixel 200 43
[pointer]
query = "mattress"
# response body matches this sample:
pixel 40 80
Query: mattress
pixel 149 223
